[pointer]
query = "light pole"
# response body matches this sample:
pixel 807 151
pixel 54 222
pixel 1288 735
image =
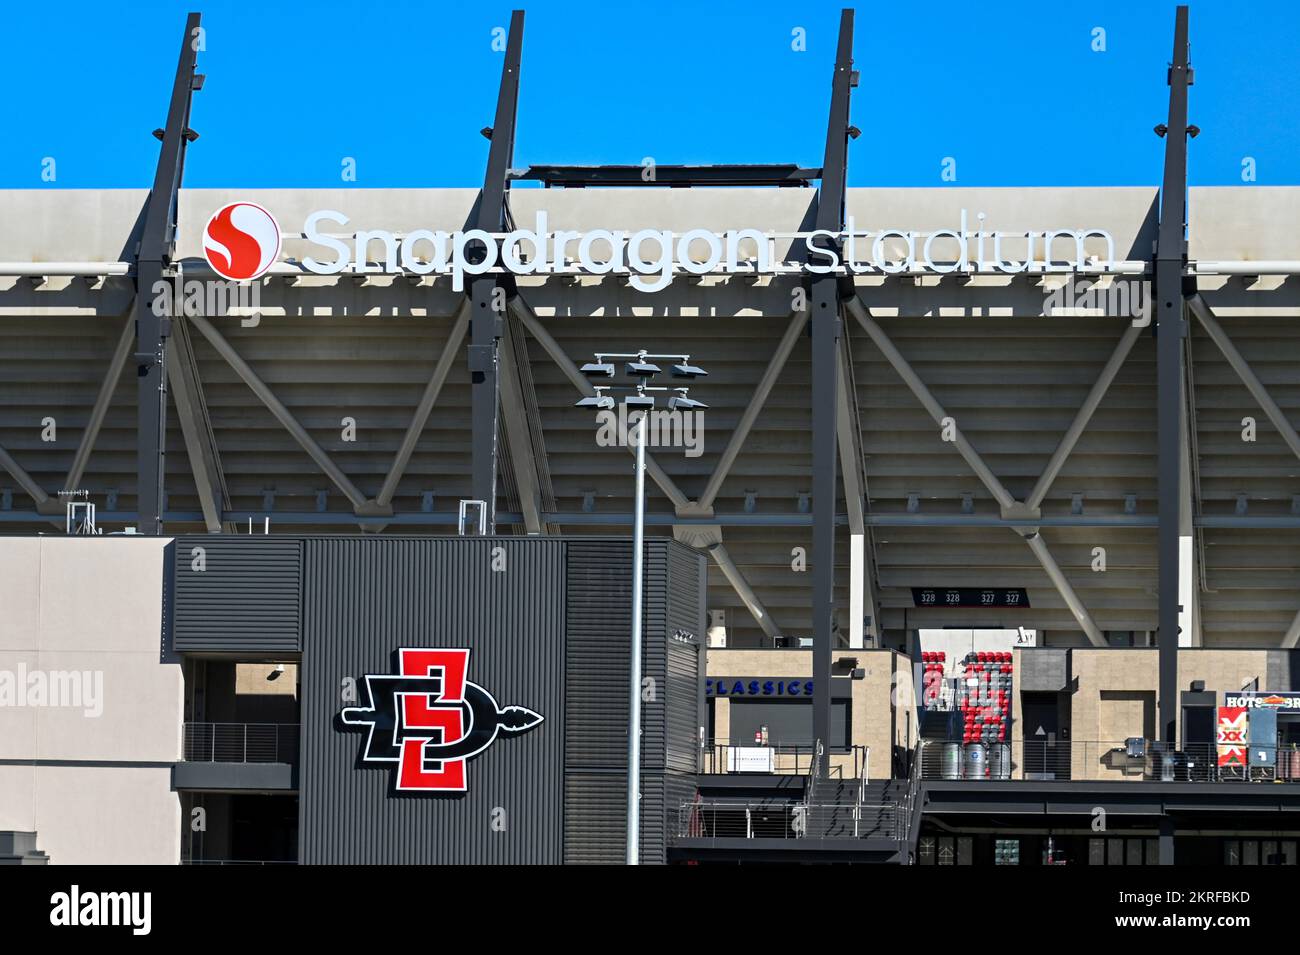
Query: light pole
pixel 641 368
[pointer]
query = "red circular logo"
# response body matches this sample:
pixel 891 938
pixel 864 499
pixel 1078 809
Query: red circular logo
pixel 241 241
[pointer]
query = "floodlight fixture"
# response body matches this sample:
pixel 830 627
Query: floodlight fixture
pixel 681 402
pixel 686 370
pixel 598 369
pixel 640 368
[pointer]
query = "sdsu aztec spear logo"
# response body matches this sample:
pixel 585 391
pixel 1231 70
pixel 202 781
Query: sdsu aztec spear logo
pixel 427 720
pixel 241 241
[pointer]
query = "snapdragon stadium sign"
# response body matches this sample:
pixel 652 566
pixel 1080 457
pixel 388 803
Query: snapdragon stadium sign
pixel 242 241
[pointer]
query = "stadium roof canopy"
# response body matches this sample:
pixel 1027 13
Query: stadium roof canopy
pixel 995 429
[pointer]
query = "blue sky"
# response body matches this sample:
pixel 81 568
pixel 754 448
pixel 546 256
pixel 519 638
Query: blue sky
pixel 1013 92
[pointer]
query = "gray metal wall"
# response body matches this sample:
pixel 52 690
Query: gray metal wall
pixel 549 630
pixel 367 597
pixel 599 618
pixel 247 596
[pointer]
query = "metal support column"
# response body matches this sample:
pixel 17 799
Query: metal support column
pixel 1171 260
pixel 151 328
pixel 826 304
pixel 488 295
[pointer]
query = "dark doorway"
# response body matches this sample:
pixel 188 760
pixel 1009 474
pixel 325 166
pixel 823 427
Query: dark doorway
pixel 1046 750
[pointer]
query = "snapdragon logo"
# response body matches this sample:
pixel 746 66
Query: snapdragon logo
pixel 74 908
pixel 672 428
pixel 242 241
pixel 68 689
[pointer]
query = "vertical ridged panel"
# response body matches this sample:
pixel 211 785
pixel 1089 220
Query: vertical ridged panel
pixel 599 618
pixel 367 597
pixel 598 802
pixel 597 664
pixel 685 615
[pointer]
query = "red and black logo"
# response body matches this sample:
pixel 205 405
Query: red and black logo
pixel 427 720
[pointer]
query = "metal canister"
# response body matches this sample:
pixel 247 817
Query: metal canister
pixel 950 766
pixel 1000 761
pixel 976 762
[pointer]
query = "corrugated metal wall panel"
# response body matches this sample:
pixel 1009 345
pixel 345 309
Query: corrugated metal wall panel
pixel 685 635
pixel 600 799
pixel 246 598
pixel 599 620
pixel 368 597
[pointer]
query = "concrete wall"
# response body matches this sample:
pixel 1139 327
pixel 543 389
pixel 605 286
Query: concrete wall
pixel 93 780
pixel 879 718
pixel 1115 696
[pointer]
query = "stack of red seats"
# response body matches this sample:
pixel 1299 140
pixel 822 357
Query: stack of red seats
pixel 931 676
pixel 984 699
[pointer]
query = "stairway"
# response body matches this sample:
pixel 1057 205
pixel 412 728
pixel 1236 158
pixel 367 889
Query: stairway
pixel 939 725
pixel 831 815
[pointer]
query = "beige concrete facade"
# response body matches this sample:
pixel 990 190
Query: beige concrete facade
pixel 882 713
pixel 1113 696
pixel 83 618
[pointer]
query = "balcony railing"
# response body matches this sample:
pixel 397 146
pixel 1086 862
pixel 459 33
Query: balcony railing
pixel 241 743
pixel 238 862
pixel 778 820
pixel 786 759
pixel 1100 760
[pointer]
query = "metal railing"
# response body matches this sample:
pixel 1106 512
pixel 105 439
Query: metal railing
pixel 1100 760
pixel 786 759
pixel 241 743
pixel 784 820
pixel 238 862
pixel 861 800
pixel 910 813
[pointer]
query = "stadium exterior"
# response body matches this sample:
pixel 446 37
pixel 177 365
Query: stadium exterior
pixel 990 528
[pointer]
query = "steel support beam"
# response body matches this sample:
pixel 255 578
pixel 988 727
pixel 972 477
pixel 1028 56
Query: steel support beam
pixel 566 364
pixel 1083 417
pixel 862 599
pixel 1063 587
pixel 1201 309
pixel 746 593
pixel 793 330
pixel 515 418
pixel 419 420
pixel 1171 261
pixel 825 301
pixel 487 295
pixel 1010 507
pixel 668 519
pixel 931 404
pixel 200 443
pixel 100 408
pixel 1292 636
pixel 154 257
pixel 281 413
pixel 1189 576
pixel 25 480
